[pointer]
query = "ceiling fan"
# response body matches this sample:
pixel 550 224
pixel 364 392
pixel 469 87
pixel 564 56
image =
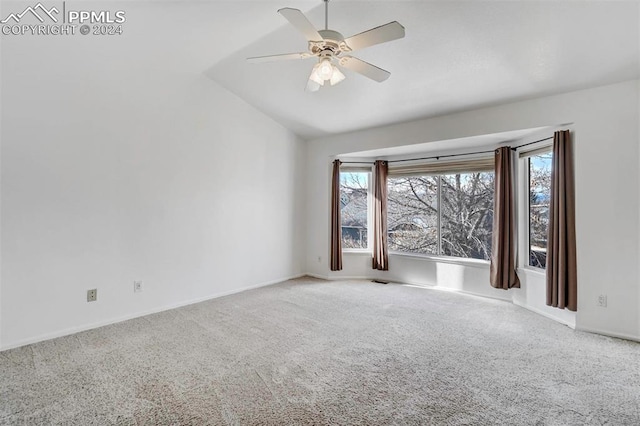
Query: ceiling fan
pixel 330 47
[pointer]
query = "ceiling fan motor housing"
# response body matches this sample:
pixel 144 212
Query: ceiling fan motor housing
pixel 332 40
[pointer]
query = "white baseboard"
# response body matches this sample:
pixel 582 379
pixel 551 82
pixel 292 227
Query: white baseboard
pixel 473 293
pixel 78 329
pixel 545 314
pixel 405 282
pixel 365 278
pixel 609 333
pixel 352 277
pixel 318 276
pixel 338 277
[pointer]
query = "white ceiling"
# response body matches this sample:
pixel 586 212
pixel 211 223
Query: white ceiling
pixel 456 56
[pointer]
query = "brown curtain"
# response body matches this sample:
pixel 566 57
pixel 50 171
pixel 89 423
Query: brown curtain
pixel 380 249
pixel 503 245
pixel 562 285
pixel 336 225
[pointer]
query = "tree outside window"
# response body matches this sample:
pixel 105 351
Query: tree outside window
pixel 448 214
pixel 539 198
pixel 354 190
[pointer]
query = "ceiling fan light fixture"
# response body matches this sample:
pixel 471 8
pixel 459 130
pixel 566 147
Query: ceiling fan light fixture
pixel 325 69
pixel 312 86
pixel 315 77
pixel 337 76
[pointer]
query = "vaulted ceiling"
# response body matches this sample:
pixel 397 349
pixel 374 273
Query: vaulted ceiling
pixel 455 56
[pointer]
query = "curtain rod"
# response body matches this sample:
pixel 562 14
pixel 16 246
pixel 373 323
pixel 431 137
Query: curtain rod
pixel 437 157
pixel 531 143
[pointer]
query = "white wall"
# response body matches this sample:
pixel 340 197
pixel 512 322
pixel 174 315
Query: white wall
pixel 607 159
pixel 116 168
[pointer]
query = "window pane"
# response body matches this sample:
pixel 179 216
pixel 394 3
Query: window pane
pixel 539 197
pixel 467 215
pixel 353 200
pixel 412 215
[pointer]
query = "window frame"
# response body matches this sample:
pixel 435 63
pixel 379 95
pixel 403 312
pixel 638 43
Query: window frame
pixel 438 221
pixel 369 171
pixel 439 256
pixel 524 217
pixel 523 212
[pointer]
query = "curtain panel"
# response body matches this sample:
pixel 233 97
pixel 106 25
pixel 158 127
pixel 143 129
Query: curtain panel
pixel 380 245
pixel 503 245
pixel 562 283
pixel 336 225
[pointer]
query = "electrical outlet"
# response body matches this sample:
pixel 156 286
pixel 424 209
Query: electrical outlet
pixel 602 300
pixel 137 286
pixel 92 295
pixel 319 259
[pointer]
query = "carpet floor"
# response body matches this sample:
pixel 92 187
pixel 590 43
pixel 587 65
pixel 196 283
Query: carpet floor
pixel 313 352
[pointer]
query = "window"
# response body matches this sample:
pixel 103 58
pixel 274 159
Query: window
pixel 467 215
pixel 354 190
pixel 448 214
pixel 539 178
pixel 445 208
pixel 412 214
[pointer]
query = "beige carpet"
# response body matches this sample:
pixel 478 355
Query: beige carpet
pixel 312 352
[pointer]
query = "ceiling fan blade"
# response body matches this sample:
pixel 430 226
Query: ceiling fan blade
pixel 364 68
pixel 382 34
pixel 285 56
pixel 298 20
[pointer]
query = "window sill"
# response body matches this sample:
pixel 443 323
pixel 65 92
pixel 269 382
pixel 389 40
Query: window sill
pixel 357 251
pixel 477 263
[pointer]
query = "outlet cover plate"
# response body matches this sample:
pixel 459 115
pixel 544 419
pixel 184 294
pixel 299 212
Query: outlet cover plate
pixel 137 286
pixel 602 300
pixel 92 295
